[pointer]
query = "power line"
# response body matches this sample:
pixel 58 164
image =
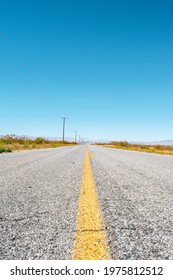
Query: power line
pixel 44 97
pixel 27 86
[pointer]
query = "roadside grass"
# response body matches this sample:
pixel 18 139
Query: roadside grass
pixel 124 145
pixel 9 144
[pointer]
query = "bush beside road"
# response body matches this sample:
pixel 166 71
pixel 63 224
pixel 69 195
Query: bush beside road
pixel 10 143
pixel 124 145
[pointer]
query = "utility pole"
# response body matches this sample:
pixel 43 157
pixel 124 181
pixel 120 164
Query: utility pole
pixel 63 131
pixel 79 139
pixel 75 136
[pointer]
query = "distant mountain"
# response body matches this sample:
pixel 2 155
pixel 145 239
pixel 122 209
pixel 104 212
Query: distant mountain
pixel 83 140
pixel 91 141
pixel 34 137
pixel 153 143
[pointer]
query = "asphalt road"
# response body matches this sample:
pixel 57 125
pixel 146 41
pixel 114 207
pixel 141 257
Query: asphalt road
pixel 39 194
pixel 136 196
pixel 39 198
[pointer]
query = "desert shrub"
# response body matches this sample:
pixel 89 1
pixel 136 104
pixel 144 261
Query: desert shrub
pixel 144 147
pixel 25 145
pixel 21 141
pixel 2 150
pixel 8 140
pixel 159 147
pixel 40 140
pixel 121 143
pixel 8 150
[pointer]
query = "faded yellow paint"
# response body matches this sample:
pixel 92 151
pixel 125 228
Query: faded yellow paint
pixel 90 240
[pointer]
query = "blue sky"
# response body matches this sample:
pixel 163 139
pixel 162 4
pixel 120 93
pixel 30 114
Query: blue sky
pixel 106 65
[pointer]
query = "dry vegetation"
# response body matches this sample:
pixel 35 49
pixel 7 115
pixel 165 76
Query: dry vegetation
pixel 11 143
pixel 168 150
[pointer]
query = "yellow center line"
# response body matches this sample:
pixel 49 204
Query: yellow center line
pixel 90 239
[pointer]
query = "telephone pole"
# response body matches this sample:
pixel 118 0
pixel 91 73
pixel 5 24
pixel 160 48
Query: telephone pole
pixel 75 136
pixel 63 130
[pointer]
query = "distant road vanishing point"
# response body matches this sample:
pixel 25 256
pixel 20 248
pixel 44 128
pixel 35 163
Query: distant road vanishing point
pixel 86 202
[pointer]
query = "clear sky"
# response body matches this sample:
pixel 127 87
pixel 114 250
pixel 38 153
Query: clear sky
pixel 106 65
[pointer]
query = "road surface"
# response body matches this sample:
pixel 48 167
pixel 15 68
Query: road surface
pixel 40 195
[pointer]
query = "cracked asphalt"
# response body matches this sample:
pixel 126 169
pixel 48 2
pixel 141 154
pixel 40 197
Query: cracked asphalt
pixel 39 198
pixel 136 197
pixel 39 194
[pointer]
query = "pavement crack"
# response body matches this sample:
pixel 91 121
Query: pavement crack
pixel 90 230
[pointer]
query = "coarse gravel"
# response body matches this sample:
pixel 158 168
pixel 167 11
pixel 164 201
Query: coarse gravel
pixel 39 196
pixel 136 196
